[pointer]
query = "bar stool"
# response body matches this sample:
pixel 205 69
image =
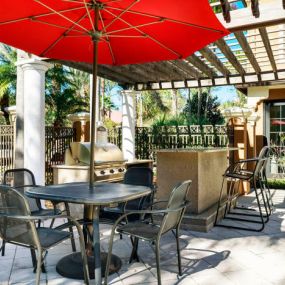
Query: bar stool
pixel 237 174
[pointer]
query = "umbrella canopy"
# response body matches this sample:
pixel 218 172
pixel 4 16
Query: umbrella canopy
pixel 130 31
pixel 109 31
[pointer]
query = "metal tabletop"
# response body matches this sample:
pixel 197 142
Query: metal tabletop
pixel 101 194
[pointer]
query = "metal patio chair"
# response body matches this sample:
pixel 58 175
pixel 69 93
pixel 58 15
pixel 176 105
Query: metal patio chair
pixel 235 175
pixel 142 176
pixel 17 226
pixel 170 220
pixel 23 179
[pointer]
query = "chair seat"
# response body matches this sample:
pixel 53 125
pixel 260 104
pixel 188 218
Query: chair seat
pixel 116 210
pixel 49 237
pixel 140 229
pixel 242 176
pixel 46 212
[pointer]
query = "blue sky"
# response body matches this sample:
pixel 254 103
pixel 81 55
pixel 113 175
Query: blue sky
pixel 224 93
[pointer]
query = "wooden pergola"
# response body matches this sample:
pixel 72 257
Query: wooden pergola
pixel 252 55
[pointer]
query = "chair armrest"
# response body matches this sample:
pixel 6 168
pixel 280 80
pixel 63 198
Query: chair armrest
pixel 145 212
pixel 238 166
pixel 42 218
pixel 249 160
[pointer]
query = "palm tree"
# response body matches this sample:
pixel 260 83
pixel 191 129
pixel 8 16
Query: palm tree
pixel 153 105
pixel 8 78
pixel 81 82
pixel 61 95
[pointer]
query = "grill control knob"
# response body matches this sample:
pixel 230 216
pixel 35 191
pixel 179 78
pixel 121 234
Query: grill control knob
pixel 112 171
pixel 121 169
pixel 102 172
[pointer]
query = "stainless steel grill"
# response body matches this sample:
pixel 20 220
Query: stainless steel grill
pixel 109 163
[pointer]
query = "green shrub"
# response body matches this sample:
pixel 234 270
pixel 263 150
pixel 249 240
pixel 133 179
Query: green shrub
pixel 276 183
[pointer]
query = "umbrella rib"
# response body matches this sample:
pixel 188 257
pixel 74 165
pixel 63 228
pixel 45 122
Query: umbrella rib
pixel 123 11
pixel 39 16
pixel 112 1
pixel 61 15
pixel 168 19
pixel 75 1
pixel 130 28
pixel 54 25
pixel 61 36
pixel 121 36
pixel 89 16
pixel 109 44
pixel 150 37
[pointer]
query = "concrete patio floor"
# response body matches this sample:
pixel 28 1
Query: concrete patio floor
pixel 219 257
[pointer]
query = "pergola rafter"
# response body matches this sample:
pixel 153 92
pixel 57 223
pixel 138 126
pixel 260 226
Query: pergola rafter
pixel 226 50
pixel 252 55
pixel 248 51
pixel 266 42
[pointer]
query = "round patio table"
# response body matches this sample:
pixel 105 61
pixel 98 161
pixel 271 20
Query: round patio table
pixel 101 194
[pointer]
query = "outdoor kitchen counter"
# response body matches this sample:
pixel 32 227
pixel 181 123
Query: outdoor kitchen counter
pixel 204 166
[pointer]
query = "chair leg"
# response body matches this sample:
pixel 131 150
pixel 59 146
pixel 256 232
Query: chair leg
pixel 108 262
pixel 134 254
pixel 84 258
pixel 178 252
pixel 157 255
pixel 219 202
pixel 39 267
pixel 73 246
pixel 3 248
pixel 34 261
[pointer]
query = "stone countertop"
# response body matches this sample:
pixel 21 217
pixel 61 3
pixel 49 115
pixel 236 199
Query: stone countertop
pixel 199 149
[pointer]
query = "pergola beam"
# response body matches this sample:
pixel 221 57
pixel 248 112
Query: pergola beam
pixel 115 75
pixel 214 60
pixel 266 42
pixel 188 68
pixel 248 51
pixel 225 49
pixel 250 79
pixel 270 14
pixel 197 62
pixel 226 10
pixel 255 8
pixel 153 73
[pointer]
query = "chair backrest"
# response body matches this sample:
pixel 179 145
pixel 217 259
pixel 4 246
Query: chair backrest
pixel 21 179
pixel 19 231
pixel 260 166
pixel 142 176
pixel 264 153
pixel 177 200
pixel 139 176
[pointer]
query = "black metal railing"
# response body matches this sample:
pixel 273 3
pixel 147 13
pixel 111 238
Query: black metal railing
pixel 7 140
pixel 57 141
pixel 150 139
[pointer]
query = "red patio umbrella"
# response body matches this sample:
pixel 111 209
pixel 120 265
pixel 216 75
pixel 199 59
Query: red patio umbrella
pixel 109 32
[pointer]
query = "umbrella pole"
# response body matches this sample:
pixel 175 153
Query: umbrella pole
pixel 95 209
pixel 94 91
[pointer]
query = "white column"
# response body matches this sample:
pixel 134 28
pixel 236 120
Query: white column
pixel 129 123
pixel 34 116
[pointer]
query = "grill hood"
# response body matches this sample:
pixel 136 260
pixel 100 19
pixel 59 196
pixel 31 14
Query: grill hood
pixel 79 153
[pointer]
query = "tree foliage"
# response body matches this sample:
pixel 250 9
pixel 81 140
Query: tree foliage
pixel 202 108
pixel 8 78
pixel 61 95
pixel 153 105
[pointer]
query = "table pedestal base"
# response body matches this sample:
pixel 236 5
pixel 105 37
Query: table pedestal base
pixel 70 266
